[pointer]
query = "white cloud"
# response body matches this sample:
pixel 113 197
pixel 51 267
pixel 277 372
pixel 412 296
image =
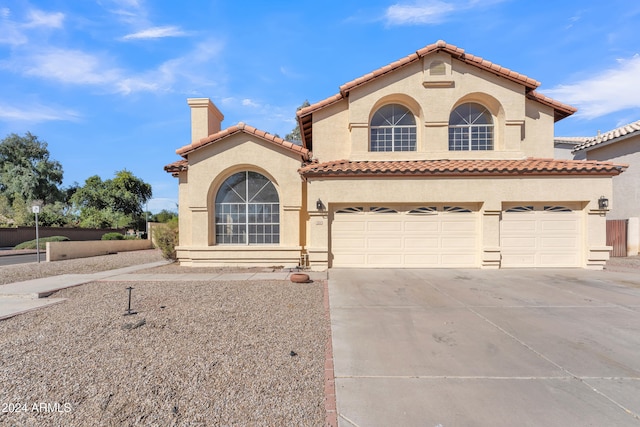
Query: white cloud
pixel 289 73
pixel 17 33
pixel 76 67
pixel 249 103
pixel 39 18
pixel 430 11
pixel 189 69
pixel 615 89
pixel 36 113
pixel 69 66
pixel 156 33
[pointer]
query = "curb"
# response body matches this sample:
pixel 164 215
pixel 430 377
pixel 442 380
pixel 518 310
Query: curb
pixel 330 404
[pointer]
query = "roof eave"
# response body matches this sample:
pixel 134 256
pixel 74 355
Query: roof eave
pixel 303 152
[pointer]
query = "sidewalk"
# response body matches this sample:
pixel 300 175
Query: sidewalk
pixel 21 297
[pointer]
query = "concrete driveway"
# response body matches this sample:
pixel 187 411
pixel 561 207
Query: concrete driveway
pixel 486 348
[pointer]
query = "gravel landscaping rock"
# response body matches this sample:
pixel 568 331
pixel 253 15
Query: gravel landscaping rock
pixel 623 263
pixel 197 354
pixel 33 270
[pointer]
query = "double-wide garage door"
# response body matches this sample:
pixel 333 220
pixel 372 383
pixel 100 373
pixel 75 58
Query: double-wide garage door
pixel 414 237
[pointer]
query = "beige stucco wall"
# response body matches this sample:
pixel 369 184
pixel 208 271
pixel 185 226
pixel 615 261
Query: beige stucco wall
pixel 489 194
pixel 208 168
pixel 522 127
pixel 626 186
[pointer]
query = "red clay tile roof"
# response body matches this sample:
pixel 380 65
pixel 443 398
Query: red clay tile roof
pixel 609 137
pixel 176 167
pixel 440 168
pixel 241 127
pixel 561 110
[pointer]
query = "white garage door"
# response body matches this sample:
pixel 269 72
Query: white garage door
pixel 541 236
pixel 416 237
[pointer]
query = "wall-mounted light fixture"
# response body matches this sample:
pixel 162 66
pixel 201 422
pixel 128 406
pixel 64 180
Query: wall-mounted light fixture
pixel 319 205
pixel 603 202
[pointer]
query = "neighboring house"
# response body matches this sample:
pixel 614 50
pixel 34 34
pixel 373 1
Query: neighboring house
pixel 621 145
pixel 440 159
pixel 563 146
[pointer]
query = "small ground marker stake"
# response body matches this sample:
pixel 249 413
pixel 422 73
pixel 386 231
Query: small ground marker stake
pixel 129 312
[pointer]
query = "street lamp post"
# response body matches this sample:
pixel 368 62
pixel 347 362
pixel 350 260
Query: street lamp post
pixel 36 210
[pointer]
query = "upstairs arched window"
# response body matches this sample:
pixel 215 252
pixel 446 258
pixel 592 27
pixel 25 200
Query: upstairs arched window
pixel 393 128
pixel 247 210
pixel 470 128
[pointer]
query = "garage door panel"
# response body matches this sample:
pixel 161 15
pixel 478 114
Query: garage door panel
pixel 450 242
pixel 346 243
pixel 348 226
pixel 569 225
pixel 384 259
pixel 384 243
pixel 518 260
pixel 558 259
pixel 559 242
pixel 422 260
pixel 519 225
pixel 429 225
pixel 352 260
pixel 458 226
pixel 421 243
pixel 377 225
pixel 457 260
pixel 518 242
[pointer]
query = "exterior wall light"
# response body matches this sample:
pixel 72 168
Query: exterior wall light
pixel 603 202
pixel 319 205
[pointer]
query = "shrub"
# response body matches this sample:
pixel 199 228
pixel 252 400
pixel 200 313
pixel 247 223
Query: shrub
pixel 166 238
pixel 31 244
pixel 112 236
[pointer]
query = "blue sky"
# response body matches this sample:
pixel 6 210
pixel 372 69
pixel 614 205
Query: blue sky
pixel 105 82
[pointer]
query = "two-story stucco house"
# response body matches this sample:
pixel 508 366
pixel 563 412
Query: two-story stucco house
pixel 440 159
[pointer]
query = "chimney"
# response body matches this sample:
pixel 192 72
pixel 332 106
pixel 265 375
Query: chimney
pixel 206 119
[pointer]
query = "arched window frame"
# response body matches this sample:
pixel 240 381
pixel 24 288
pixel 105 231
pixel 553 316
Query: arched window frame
pixel 247 210
pixel 471 128
pixel 393 128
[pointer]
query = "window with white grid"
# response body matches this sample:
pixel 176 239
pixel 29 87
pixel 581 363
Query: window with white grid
pixel 393 128
pixel 247 210
pixel 470 128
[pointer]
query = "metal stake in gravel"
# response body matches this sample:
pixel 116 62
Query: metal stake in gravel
pixel 129 312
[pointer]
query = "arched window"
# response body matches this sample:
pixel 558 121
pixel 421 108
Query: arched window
pixel 247 210
pixel 470 128
pixel 393 128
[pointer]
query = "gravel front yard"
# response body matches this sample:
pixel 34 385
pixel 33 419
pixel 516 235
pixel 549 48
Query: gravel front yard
pixel 197 353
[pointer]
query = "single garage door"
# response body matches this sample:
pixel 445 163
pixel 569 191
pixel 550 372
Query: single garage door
pixel 541 236
pixel 413 237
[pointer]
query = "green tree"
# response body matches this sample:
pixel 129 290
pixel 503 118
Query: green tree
pixel 115 202
pixel 163 216
pixel 295 135
pixel 129 193
pixel 26 170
